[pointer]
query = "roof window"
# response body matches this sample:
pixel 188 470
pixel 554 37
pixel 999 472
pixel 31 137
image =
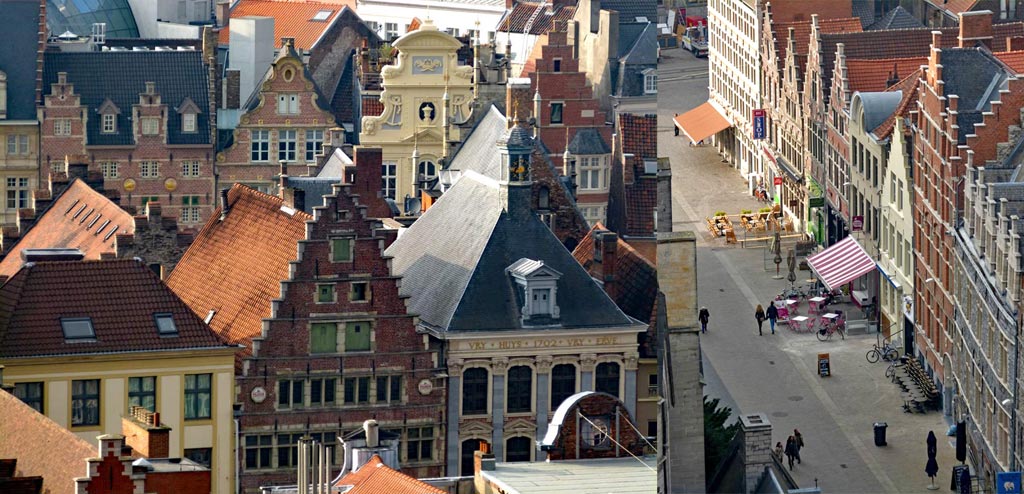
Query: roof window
pixel 323 15
pixel 165 324
pixel 77 329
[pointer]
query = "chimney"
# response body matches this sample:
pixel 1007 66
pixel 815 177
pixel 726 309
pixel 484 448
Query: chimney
pixel 976 27
pixel 894 76
pixel 225 206
pixel 223 12
pixel 144 433
pixel 757 448
pixel 372 433
pixel 483 459
pixel 368 163
pixel 78 167
pixel 609 260
pixel 1014 43
pixel 509 4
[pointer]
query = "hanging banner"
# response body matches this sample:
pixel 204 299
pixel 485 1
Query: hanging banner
pixel 1007 482
pixel 758 118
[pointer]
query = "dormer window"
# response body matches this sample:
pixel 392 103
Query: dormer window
pixel 77 329
pixel 3 95
pixel 188 122
pixel 650 81
pixel 165 324
pixel 109 123
pixel 539 284
pixel 108 117
pixel 189 112
pixel 593 172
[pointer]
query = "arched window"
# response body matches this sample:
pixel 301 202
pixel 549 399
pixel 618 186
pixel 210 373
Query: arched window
pixel 518 449
pixel 474 391
pixel 563 383
pixel 543 198
pixel 469 446
pixel 608 378
pixel 427 170
pixel 520 385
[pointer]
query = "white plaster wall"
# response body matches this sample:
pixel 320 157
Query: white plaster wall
pixel 171 408
pixel 112 399
pixel 446 15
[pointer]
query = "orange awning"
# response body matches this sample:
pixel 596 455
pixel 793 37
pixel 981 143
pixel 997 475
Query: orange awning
pixel 701 122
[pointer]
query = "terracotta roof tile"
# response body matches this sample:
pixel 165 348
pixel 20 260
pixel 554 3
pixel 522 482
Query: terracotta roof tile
pixel 641 201
pixel 120 296
pixel 375 477
pixel 42 446
pixel 516 19
pixel 957 6
pixel 292 18
pixel 78 219
pixel 639 134
pixel 235 266
pixel 802 33
pixel 873 75
pixel 1013 59
pixel 909 87
pixel 372 106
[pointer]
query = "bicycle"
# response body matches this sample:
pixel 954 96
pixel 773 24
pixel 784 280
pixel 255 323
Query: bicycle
pixel 890 372
pixel 885 352
pixel 825 333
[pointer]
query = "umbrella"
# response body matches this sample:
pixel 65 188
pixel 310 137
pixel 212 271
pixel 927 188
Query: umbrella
pixel 791 262
pixel 932 467
pixel 777 250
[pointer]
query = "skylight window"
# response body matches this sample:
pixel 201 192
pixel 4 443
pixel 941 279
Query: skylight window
pixel 77 329
pixel 323 15
pixel 165 324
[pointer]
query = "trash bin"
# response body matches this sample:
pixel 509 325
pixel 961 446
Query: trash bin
pixel 880 433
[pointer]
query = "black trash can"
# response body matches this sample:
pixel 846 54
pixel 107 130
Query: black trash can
pixel 880 433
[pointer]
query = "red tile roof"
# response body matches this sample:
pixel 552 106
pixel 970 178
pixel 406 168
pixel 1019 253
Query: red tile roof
pixel 909 86
pixel 375 477
pixel 1013 59
pixel 516 19
pixel 235 266
pixel 42 446
pixel 639 134
pixel 292 18
pixel 78 219
pixel 802 33
pixel 873 75
pixel 957 6
pixel 641 202
pixel 372 107
pixel 120 296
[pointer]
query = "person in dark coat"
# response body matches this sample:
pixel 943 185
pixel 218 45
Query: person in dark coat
pixel 773 315
pixel 759 315
pixel 703 317
pixel 799 444
pixel 791 451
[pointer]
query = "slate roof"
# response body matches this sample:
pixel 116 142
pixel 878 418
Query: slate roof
pixel 122 75
pixel 375 477
pixel 639 134
pixel 629 33
pixel 897 18
pixel 120 296
pixel 515 19
pixel 644 51
pixel 292 18
pixel 18 58
pixel 41 446
pixel 235 266
pixel 253 102
pixel 636 277
pixel 478 151
pixel 976 78
pixel 1013 59
pixel 868 75
pixel 588 141
pixel 908 88
pixel 467 288
pixel 629 10
pixel 80 218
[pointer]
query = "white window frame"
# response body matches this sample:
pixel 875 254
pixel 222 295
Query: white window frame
pixel 62 127
pixel 149 169
pixel 390 30
pixel 650 81
pixel 259 146
pixel 17 192
pixel 17 144
pixel 590 168
pixel 389 178
pixel 111 169
pixel 190 168
pixel 150 126
pixel 109 123
pixel 314 144
pixel 287 143
pixel 188 122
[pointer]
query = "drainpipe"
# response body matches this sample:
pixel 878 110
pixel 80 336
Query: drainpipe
pixel 1013 382
pixel 238 460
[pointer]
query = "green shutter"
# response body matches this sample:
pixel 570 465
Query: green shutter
pixel 323 338
pixel 341 249
pixel 325 293
pixel 357 336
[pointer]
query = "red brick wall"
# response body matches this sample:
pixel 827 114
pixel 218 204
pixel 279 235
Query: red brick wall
pixel 600 405
pixel 178 482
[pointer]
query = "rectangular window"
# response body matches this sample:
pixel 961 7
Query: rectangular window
pixel 260 145
pixel 17 144
pixel 142 392
pixel 314 144
pixel 357 390
pixel 287 104
pixel 85 402
pixel 324 294
pixel 150 126
pixel 148 199
pixel 109 123
pixel 651 82
pixel 110 170
pixel 323 338
pixel 289 393
pixel 286 146
pixel 198 391
pixel 389 177
pixel 389 389
pixel 341 249
pixel 419 445
pixel 17 193
pixel 592 173
pixel 62 127
pixel 201 456
pixel 258 450
pixel 31 394
pixel 188 122
pixel 190 209
pixel 149 169
pixel 288 449
pixel 556 113
pixel 556 65
pixel 360 291
pixel 321 392
pixel 357 337
pixel 390 30
pixel 190 168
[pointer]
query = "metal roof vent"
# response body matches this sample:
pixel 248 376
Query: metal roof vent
pixel 37 255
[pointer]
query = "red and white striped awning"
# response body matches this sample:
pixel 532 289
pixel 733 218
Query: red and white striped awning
pixel 842 263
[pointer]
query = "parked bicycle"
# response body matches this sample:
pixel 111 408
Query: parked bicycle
pixel 886 352
pixel 894 364
pixel 828 329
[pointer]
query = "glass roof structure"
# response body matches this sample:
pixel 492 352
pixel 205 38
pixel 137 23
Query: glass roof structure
pixel 78 16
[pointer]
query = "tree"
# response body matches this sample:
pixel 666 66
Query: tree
pixel 717 435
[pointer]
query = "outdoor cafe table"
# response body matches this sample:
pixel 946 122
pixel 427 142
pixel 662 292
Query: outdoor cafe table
pixel 814 304
pixel 792 306
pixel 800 323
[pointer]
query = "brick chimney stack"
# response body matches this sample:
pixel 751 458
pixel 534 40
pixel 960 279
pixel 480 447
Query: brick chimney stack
pixel 368 163
pixel 608 242
pixel 976 27
pixel 144 433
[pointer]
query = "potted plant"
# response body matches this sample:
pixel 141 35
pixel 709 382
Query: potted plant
pixel 719 213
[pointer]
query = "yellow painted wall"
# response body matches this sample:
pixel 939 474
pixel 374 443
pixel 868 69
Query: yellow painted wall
pixel 18 165
pixel 170 369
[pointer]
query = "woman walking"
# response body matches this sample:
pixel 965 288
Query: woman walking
pixel 759 315
pixel 791 451
pixel 799 438
pixel 703 317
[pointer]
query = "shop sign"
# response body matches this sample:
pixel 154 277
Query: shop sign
pixel 759 123
pixel 824 365
pixel 857 224
pixel 1007 482
pixel 777 181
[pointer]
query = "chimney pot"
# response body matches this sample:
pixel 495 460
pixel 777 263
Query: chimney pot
pixel 225 206
pixel 372 436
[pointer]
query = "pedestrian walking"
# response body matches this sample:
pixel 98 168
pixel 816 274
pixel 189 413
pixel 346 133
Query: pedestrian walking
pixel 799 444
pixel 703 317
pixel 675 126
pixel 778 450
pixel 759 315
pixel 791 451
pixel 773 315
